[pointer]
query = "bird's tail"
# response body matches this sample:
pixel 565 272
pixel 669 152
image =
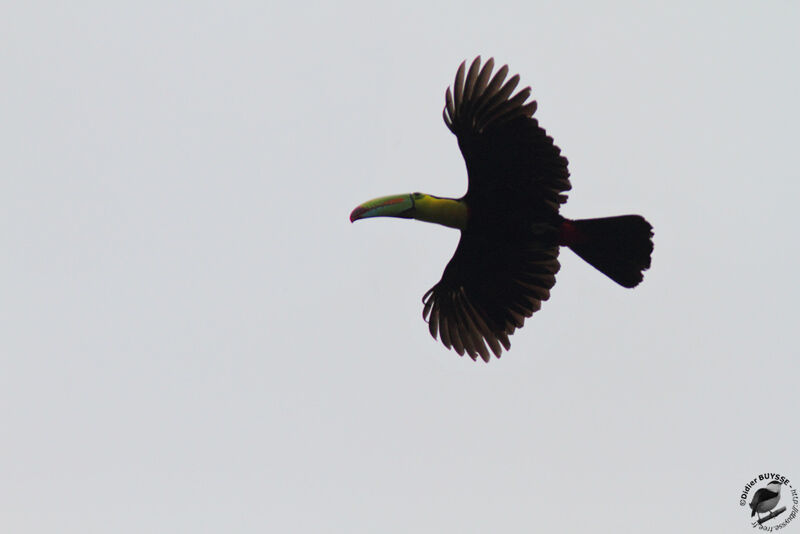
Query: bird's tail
pixel 619 247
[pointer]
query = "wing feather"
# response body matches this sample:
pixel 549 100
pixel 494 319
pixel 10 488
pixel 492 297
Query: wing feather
pixel 458 86
pixel 472 77
pixel 483 78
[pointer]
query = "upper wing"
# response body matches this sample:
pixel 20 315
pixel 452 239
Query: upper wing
pixel 506 260
pixel 507 153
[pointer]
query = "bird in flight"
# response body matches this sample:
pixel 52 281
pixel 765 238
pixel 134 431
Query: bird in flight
pixel 507 258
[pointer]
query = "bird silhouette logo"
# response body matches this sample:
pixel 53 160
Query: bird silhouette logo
pixel 762 495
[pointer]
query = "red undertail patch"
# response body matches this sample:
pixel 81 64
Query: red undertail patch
pixel 568 234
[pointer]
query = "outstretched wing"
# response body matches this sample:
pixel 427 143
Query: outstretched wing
pixel 506 260
pixel 487 291
pixel 508 155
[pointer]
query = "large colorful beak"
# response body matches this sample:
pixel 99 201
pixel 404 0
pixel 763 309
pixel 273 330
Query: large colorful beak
pixel 391 206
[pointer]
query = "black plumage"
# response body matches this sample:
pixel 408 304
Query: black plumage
pixel 507 258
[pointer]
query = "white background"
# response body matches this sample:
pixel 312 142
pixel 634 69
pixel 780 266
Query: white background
pixel 194 338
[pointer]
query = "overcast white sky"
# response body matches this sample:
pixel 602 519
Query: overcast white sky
pixel 194 338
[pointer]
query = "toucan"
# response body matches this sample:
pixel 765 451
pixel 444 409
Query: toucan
pixel 511 231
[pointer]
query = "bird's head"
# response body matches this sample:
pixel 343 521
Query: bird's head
pixel 445 211
pixel 775 485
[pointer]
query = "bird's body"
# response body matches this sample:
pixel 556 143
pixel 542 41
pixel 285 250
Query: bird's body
pixel 765 499
pixel 511 230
